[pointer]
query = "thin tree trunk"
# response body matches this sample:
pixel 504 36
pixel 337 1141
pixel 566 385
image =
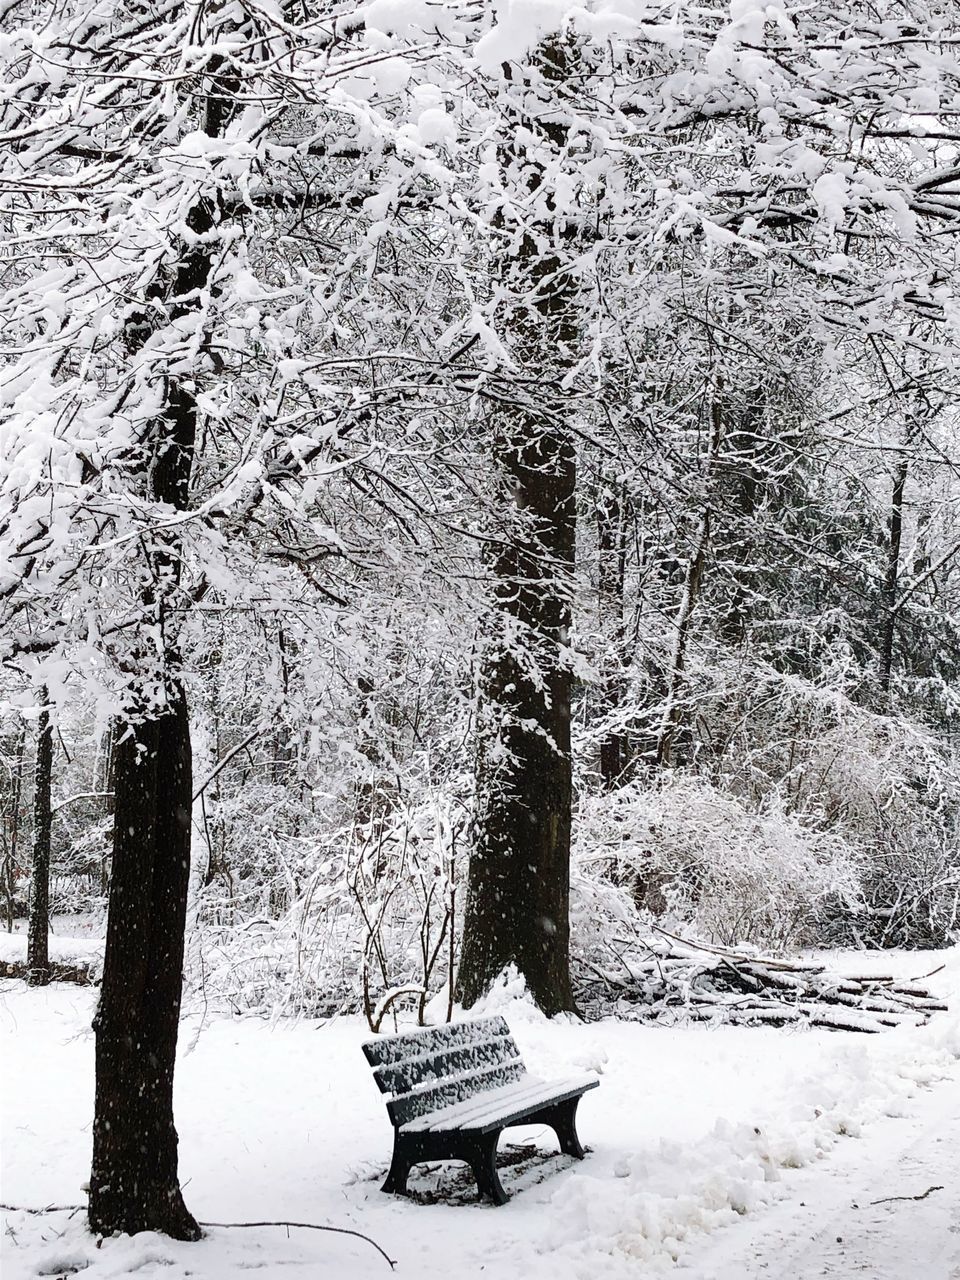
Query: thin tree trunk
pixel 38 929
pixel 10 860
pixel 673 708
pixel 891 581
pixel 611 549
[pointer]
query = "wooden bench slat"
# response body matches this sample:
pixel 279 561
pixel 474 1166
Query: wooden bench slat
pixel 496 1108
pixel 407 1106
pixel 414 1044
pixel 429 1069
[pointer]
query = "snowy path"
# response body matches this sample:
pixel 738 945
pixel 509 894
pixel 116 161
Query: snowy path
pixel 831 1227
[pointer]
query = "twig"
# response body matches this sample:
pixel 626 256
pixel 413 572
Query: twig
pixel 222 764
pixel 923 1195
pixel 50 1208
pixel 939 969
pixel 309 1226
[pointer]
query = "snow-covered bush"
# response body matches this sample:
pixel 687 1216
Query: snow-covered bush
pixel 370 926
pixel 884 786
pixel 686 850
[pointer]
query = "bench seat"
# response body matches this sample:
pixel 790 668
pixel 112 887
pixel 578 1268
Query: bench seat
pixel 500 1108
pixel 452 1090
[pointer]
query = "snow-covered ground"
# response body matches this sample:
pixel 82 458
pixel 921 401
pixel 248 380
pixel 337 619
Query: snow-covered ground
pixel 83 943
pixel 722 1153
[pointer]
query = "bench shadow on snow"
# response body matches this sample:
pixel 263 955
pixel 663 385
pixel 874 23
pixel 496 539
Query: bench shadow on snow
pixel 450 1182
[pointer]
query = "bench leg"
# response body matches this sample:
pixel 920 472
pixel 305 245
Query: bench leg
pixel 399 1171
pixel 562 1119
pixel 482 1159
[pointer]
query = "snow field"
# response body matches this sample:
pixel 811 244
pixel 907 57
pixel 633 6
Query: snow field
pixel 693 1128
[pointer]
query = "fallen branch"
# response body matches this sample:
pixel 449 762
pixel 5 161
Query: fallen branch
pixel 309 1226
pixel 82 972
pixel 922 1196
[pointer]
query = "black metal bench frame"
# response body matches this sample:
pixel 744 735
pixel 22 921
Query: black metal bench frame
pixel 428 1072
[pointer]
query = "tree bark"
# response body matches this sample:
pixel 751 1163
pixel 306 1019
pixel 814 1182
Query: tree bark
pixel 134 1183
pixel 888 625
pixel 38 929
pixel 11 845
pixel 519 879
pixel 518 896
pixel 134 1180
pixel 611 552
pixel 674 709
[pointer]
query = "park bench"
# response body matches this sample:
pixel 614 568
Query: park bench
pixel 452 1090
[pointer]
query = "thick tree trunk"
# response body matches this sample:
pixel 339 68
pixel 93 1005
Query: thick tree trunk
pixel 38 960
pixel 518 895
pixel 134 1183
pixel 519 880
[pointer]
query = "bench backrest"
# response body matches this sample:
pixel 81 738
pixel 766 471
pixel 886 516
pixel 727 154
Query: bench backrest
pixel 422 1071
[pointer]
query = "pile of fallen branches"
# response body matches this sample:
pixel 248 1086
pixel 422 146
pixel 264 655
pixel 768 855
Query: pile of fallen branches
pixel 83 972
pixel 664 977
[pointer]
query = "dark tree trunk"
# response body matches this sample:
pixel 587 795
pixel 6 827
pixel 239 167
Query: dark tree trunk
pixel 891 581
pixel 38 960
pixel 518 895
pixel 675 709
pixel 11 845
pixel 519 880
pixel 740 480
pixel 134 1183
pixel 611 550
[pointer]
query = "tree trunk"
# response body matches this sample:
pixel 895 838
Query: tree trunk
pixel 673 712
pixel 611 551
pixel 134 1184
pixel 518 894
pixel 11 845
pixel 673 707
pixel 891 581
pixel 38 930
pixel 519 879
